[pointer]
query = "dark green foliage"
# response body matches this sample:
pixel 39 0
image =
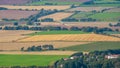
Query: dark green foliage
pixel 2 8
pixel 38 48
pixel 94 59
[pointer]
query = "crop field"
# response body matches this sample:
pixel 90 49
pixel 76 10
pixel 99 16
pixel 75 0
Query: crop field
pixel 39 52
pixel 94 46
pixel 57 16
pixel 57 32
pixel 16 46
pixel 16 14
pixel 70 37
pixel 28 60
pixel 36 7
pixel 88 9
pixel 10 36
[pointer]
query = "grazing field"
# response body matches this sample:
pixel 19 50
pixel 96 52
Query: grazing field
pixel 88 9
pixel 57 16
pixel 36 7
pixel 70 37
pixel 94 46
pixel 10 36
pixel 28 60
pixel 16 46
pixel 107 16
pixel 16 14
pixel 57 32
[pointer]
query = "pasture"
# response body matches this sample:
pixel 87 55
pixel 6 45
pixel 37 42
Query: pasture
pixel 57 16
pixel 70 37
pixel 107 16
pixel 16 14
pixel 28 60
pixel 94 46
pixel 36 7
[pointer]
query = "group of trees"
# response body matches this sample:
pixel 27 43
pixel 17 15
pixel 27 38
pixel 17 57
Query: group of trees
pixel 114 25
pixel 2 8
pixel 94 59
pixel 47 20
pixel 34 18
pixel 38 48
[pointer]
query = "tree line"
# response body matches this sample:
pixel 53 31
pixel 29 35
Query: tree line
pixel 38 48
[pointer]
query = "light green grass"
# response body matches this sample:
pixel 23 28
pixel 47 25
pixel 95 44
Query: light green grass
pixel 94 46
pixel 107 16
pixel 28 60
pixel 82 15
pixel 56 32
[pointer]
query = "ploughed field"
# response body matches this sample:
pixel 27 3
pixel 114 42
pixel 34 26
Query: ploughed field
pixel 16 14
pixel 57 16
pixel 36 7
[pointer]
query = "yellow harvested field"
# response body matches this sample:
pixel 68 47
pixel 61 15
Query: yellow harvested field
pixel 71 37
pixel 116 35
pixel 9 36
pixel 41 53
pixel 16 46
pixel 57 16
pixel 36 7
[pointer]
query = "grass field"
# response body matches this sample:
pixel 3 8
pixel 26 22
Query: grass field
pixel 57 32
pixel 28 60
pixel 94 46
pixel 107 16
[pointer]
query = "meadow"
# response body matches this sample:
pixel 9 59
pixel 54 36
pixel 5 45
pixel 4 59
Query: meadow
pixel 103 17
pixel 28 60
pixel 94 46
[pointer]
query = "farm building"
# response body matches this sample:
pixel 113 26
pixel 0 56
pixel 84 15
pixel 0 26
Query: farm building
pixel 112 56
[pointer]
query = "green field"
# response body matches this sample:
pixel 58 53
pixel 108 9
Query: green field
pixel 28 60
pixel 54 3
pixel 56 32
pixel 82 15
pixel 106 16
pixel 94 46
